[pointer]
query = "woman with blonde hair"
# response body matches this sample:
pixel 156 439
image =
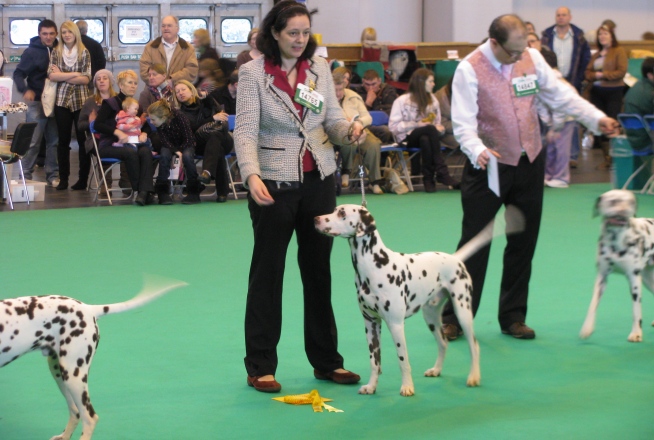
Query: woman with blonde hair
pixel 416 119
pixel 177 138
pixel 253 53
pixel 138 162
pixel 202 43
pixel 70 68
pixel 212 139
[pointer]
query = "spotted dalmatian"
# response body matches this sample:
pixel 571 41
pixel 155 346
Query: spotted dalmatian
pixel 65 330
pixel 394 286
pixel 626 245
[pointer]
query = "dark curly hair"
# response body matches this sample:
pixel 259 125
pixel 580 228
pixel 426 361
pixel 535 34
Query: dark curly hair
pixel 276 20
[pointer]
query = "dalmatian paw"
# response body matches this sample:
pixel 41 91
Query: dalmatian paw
pixel 635 337
pixel 433 372
pixel 367 389
pixel 407 391
pixel 586 331
pixel 473 380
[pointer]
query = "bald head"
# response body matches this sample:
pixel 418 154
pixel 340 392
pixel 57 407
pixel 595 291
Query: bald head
pixel 504 26
pixel 563 17
pixel 83 26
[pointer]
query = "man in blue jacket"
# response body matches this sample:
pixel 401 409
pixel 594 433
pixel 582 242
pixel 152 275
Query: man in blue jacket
pixel 571 48
pixel 572 51
pixel 29 78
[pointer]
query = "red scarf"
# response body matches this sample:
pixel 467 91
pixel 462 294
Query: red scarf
pixel 280 80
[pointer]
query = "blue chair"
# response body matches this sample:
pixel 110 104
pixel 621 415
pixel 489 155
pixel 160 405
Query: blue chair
pixel 635 123
pixel 231 122
pixel 101 163
pixel 379 117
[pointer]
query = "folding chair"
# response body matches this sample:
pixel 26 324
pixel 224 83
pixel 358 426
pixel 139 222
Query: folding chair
pixel 98 162
pixel 632 121
pixel 396 150
pixel 649 185
pixel 19 146
pixel 230 159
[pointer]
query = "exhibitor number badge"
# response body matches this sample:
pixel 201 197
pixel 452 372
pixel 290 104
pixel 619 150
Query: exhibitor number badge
pixel 525 85
pixel 309 98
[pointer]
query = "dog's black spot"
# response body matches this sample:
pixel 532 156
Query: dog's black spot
pixel 424 273
pixel 391 278
pixel 416 309
pixel 402 358
pixel 106 309
pixel 387 305
pixel 6 349
pixel 63 309
pixel 381 259
pixel 432 327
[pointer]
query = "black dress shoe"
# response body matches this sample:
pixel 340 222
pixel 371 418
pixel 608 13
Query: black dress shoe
pixel 221 199
pixel 80 185
pixel 63 184
pixel 268 386
pixel 519 330
pixel 346 378
pixel 142 198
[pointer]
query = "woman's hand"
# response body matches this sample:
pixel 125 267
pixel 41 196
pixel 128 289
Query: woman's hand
pixel 93 115
pixel 221 116
pixel 143 137
pixel 259 192
pixel 599 75
pixel 54 69
pixel 440 128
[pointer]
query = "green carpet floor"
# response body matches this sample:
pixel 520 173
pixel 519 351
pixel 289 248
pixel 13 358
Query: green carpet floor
pixel 174 369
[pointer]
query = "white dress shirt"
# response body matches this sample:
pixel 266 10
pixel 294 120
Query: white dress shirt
pixel 563 48
pixel 169 48
pixel 555 94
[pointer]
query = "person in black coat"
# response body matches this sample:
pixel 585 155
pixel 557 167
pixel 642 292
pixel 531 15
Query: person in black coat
pixel 226 95
pixel 98 60
pixel 213 141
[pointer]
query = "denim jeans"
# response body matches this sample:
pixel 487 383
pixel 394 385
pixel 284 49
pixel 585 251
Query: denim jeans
pixel 45 127
pixel 165 159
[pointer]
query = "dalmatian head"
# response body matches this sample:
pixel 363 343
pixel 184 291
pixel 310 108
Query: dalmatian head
pixel 346 221
pixel 616 207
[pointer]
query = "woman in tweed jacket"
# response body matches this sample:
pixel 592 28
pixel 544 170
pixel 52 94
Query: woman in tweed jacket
pixel 286 157
pixel 71 69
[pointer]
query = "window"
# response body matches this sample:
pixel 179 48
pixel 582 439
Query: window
pixel 22 29
pixel 235 30
pixel 189 25
pixel 134 31
pixel 96 28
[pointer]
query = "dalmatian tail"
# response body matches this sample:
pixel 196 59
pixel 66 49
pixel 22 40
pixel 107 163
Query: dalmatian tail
pixel 153 288
pixel 514 222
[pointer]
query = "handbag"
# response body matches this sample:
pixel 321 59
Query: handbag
pixel 209 129
pixel 49 95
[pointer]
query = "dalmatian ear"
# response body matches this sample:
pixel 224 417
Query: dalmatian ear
pixel 366 223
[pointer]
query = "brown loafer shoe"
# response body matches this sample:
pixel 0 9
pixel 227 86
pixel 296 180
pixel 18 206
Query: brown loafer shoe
pixel 451 331
pixel 346 378
pixel 519 330
pixel 268 386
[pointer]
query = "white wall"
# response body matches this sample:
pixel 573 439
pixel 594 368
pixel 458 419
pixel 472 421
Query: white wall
pixel 341 21
pixel 633 17
pixel 402 21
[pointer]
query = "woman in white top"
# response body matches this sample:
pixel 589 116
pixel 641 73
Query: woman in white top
pixel 416 119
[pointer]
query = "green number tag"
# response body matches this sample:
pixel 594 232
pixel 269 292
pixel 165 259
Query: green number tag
pixel 525 85
pixel 309 98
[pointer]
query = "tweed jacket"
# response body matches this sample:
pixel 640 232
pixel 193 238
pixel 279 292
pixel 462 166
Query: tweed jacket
pixel 184 64
pixel 270 137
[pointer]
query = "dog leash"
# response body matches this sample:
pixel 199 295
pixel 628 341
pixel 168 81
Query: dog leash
pixel 363 190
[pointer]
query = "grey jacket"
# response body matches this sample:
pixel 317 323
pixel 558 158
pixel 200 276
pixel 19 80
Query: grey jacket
pixel 270 138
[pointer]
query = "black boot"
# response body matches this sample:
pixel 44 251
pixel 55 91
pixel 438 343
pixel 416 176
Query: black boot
pixel 443 173
pixel 144 198
pixel 194 188
pixel 163 193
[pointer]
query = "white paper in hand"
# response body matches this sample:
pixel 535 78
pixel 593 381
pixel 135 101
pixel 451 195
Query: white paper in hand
pixel 493 175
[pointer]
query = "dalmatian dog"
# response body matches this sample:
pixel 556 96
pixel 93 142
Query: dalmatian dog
pixel 65 330
pixel 626 245
pixel 393 286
